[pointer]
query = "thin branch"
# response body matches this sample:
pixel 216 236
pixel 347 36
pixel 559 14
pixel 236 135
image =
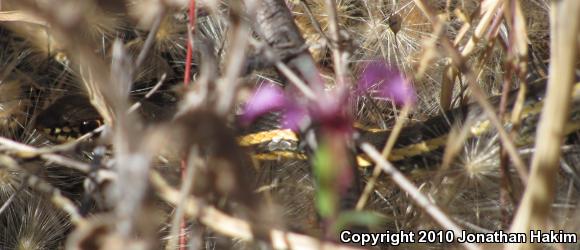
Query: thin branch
pixel 337 53
pixel 138 104
pixel 421 200
pixel 25 151
pixel 236 58
pixel 150 40
pixel 188 177
pixel 8 201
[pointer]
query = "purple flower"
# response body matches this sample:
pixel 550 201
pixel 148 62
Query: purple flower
pixel 386 82
pixel 330 109
pixel 267 98
pixel 327 111
pixel 294 117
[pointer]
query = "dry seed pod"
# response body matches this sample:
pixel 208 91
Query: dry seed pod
pixel 397 31
pixel 35 225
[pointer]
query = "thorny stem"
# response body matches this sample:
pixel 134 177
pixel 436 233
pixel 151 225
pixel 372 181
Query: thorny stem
pixel 178 224
pixel 189 52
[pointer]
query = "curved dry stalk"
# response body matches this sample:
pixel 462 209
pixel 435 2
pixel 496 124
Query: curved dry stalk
pixel 19 16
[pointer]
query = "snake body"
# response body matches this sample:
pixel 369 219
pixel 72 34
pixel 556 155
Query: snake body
pixel 420 139
pixel 72 116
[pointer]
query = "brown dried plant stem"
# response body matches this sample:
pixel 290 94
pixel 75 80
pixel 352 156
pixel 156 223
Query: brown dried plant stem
pixel 289 55
pixel 517 50
pixel 237 228
pixel 241 31
pixel 177 231
pixel 534 210
pixel 489 10
pixel 337 53
pixel 29 151
pixel 406 185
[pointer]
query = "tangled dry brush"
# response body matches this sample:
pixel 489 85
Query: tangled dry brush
pixel 272 124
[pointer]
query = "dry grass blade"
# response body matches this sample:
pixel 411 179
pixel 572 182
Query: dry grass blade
pixel 537 202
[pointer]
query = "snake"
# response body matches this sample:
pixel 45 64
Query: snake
pixel 420 139
pixel 72 116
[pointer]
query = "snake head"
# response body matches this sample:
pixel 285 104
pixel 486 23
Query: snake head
pixel 67 118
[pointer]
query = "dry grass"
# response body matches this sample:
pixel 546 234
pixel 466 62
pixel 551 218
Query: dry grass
pixel 152 164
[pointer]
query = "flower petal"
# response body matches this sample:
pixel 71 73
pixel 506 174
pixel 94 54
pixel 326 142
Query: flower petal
pixel 294 116
pixel 267 98
pixel 387 82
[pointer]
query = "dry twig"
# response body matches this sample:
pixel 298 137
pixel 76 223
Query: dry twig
pixel 536 204
pixel 421 200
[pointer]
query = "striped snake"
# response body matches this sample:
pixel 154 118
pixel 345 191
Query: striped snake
pixel 72 116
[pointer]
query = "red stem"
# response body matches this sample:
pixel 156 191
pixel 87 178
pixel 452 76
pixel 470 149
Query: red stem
pixel 186 80
pixel 188 56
